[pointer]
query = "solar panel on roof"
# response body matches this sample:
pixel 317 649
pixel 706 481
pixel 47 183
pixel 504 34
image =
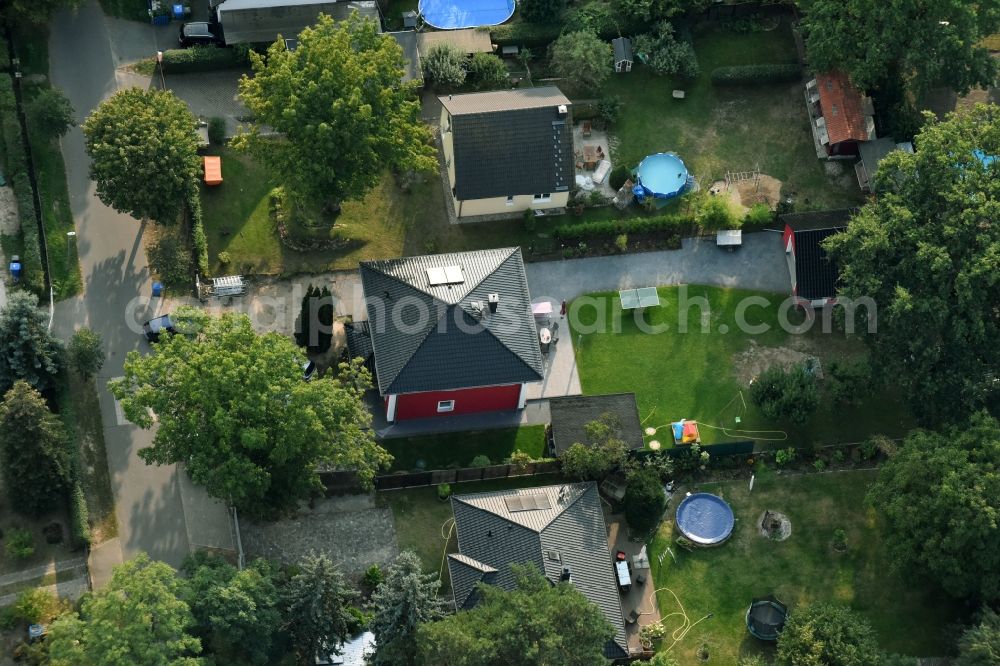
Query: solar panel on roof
pixel 533 502
pixel 454 274
pixel 436 276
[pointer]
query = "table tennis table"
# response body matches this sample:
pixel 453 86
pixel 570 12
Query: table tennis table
pixel 644 297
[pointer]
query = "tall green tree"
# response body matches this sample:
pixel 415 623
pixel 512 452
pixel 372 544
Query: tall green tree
pixel 488 71
pixel 444 67
pixel 341 114
pixel 50 115
pixel 27 349
pixel 927 252
pixel 316 602
pixel 34 450
pixel 143 150
pixel 940 494
pixel 583 59
pixel 37 12
pixel 314 328
pixel 86 353
pixel 980 644
pixel 237 612
pixel 827 635
pixel 644 500
pixel 233 408
pixel 137 618
pixel 918 44
pixel 405 599
pixel 535 624
pixel 666 54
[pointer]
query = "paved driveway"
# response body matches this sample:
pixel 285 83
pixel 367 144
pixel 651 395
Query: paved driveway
pixel 148 499
pixel 759 265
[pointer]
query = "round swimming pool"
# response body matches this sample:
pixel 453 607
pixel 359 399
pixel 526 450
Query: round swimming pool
pixel 662 175
pixel 705 519
pixel 455 14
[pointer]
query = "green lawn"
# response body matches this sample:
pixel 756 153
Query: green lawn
pixel 909 618
pixel 422 519
pixel 715 129
pixel 694 375
pixel 459 448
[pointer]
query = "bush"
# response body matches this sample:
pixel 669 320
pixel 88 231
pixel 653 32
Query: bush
pixel 444 491
pixel 217 131
pixel 520 459
pixel 170 258
pixel 593 17
pixel 199 241
pixel 784 457
pixel 224 258
pixel 50 114
pixel 792 394
pixel 621 242
pixel 444 67
pixel 488 72
pixel 759 215
pixel 827 634
pixel 480 461
pixel 849 382
pixel 608 109
pixel 522 34
pixel 20 543
pixel 79 516
pixel 618 176
pixel 373 577
pixel 202 59
pixel 752 74
pixel 667 55
pixel 541 10
pixel 86 354
pixel 36 606
pixel 819 465
pixel 717 213
pixel 530 221
pixel 583 60
pixel 644 501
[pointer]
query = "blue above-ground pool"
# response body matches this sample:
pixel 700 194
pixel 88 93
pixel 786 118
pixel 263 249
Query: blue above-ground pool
pixel 661 176
pixel 455 14
pixel 705 519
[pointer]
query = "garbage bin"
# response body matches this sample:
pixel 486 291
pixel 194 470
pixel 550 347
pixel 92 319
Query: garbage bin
pixel 157 289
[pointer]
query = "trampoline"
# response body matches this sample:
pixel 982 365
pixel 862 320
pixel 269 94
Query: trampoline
pixel 766 618
pixel 705 519
pixel 661 176
pixel 455 14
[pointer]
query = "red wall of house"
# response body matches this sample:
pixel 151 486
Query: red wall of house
pixel 467 401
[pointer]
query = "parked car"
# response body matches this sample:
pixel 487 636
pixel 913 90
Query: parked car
pixel 199 33
pixel 154 327
pixel 308 370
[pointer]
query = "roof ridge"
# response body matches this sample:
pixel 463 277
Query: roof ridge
pixel 498 338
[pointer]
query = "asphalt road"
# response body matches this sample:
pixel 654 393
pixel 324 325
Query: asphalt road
pixel 115 272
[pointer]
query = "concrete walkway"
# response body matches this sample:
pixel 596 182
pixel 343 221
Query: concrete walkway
pixel 84 63
pixel 758 265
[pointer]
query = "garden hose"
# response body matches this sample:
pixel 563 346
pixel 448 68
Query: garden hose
pixel 686 625
pixel 447 538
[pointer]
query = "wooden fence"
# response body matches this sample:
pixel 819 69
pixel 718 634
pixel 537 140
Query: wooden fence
pixel 338 483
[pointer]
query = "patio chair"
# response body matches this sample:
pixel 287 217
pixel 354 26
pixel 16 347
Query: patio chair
pixel 586 128
pixel 632 617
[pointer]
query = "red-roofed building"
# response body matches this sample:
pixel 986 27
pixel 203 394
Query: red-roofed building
pixel 841 116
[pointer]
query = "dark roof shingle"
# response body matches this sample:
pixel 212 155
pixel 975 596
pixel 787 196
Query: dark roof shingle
pixel 569 534
pixel 815 273
pixel 511 142
pixel 571 414
pixel 432 338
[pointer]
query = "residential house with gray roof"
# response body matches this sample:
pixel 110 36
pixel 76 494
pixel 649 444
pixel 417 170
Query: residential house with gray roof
pixel 450 333
pixel 508 151
pixel 560 529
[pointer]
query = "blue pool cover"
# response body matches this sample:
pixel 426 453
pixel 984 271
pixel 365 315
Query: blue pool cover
pixel 454 14
pixel 705 519
pixel 661 176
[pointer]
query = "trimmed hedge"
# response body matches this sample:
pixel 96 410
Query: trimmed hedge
pixel 524 34
pixel 202 59
pixel 635 225
pixel 79 515
pixel 16 168
pixel 750 74
pixel 198 238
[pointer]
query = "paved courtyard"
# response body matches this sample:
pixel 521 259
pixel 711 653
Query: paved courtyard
pixel 352 530
pixel 210 94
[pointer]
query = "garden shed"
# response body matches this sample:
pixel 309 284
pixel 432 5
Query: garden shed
pixel 571 414
pixel 623 54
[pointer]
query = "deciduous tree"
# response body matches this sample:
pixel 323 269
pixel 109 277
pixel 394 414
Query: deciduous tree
pixel 86 353
pixel 233 407
pixel 535 624
pixel 925 252
pixel 35 451
pixel 405 599
pixel 922 43
pixel 27 349
pixel 488 71
pixel 665 54
pixel 583 59
pixel 541 11
pixel 786 394
pixel 940 494
pixel 644 500
pixel 143 150
pixel 316 602
pixel 604 453
pixel 50 115
pixel 827 635
pixel 980 644
pixel 341 114
pixel 444 67
pixel 137 618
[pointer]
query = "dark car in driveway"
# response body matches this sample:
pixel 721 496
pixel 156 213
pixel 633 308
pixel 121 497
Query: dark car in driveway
pixel 154 327
pixel 199 33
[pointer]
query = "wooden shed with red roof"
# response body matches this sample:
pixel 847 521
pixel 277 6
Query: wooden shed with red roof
pixel 842 117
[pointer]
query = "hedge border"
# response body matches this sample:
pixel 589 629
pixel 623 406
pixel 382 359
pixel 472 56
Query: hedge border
pixel 202 59
pixel 199 241
pixel 636 225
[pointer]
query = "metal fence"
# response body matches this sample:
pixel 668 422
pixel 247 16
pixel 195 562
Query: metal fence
pixel 347 482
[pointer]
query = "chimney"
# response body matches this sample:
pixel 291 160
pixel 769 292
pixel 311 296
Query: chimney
pixel 494 301
pixel 562 110
pixel 566 576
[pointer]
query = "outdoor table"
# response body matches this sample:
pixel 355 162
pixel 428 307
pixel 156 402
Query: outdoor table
pixel 589 155
pixel 643 297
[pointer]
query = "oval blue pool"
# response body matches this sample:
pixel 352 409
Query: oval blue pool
pixel 455 14
pixel 705 519
pixel 661 176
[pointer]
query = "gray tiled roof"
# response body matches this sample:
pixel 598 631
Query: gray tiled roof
pixel 571 533
pixel 430 338
pixel 511 142
pixel 465 573
pixel 571 414
pixel 623 49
